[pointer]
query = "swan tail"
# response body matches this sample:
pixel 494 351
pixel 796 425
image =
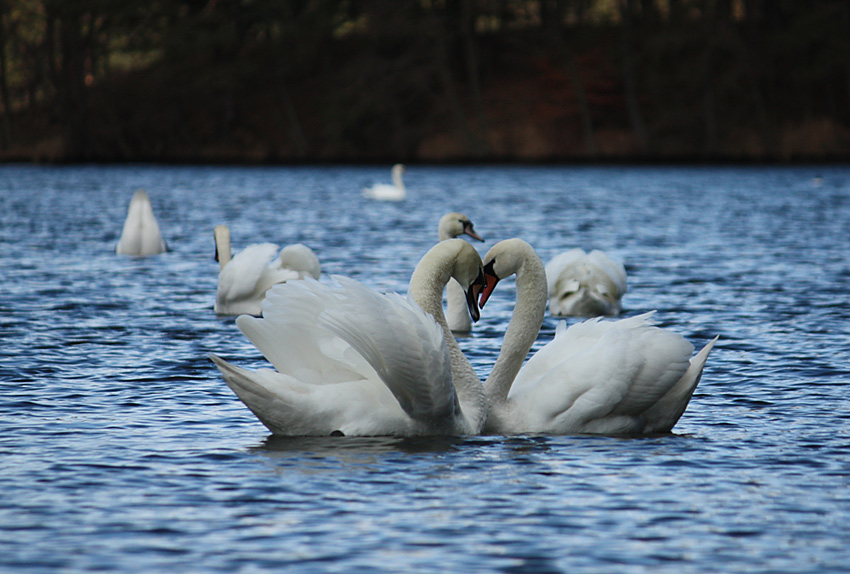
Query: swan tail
pixel 265 394
pixel 664 414
pixel 254 395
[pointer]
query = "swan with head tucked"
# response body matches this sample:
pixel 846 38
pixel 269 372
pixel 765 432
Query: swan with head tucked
pixel 585 284
pixel 244 279
pixel 599 377
pixel 457 315
pixel 351 361
pixel 389 192
pixel 141 236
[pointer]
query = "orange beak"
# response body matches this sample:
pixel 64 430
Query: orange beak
pixel 490 281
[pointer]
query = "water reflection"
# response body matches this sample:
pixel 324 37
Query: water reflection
pixel 342 445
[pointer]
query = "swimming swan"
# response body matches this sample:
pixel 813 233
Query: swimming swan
pixel 457 315
pixel 585 284
pixel 355 362
pixel 140 236
pixel 599 377
pixel 386 192
pixel 244 279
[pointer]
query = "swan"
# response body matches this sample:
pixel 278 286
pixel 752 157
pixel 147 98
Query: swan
pixel 585 284
pixel 244 279
pixel 453 225
pixel 355 362
pixel 386 192
pixel 140 236
pixel 598 377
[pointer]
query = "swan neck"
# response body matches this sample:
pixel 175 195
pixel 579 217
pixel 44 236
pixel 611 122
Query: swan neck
pixel 397 180
pixel 427 283
pixel 522 330
pixel 222 245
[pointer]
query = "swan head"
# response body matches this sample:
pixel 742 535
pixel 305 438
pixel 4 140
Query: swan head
pixel 469 272
pixel 452 258
pixel 503 260
pixel 301 258
pixel 455 224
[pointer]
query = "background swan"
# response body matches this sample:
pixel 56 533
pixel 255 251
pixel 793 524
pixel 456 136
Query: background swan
pixel 453 225
pixel 602 377
pixel 350 360
pixel 140 236
pixel 585 284
pixel 386 192
pixel 244 279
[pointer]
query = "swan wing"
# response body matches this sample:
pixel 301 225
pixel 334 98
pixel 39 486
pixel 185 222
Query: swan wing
pixel 402 343
pixel 290 336
pixel 664 414
pixel 610 370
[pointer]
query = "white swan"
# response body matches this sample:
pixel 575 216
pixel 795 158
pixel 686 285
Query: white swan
pixel 457 315
pixel 140 236
pixel 585 284
pixel 386 192
pixel 600 377
pixel 244 279
pixel 353 361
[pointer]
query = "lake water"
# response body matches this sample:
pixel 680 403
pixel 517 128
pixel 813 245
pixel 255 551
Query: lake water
pixel 121 448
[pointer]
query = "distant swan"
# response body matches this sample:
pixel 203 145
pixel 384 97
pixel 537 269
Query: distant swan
pixel 457 315
pixel 140 236
pixel 585 284
pixel 244 279
pixel 599 377
pixel 352 361
pixel 386 192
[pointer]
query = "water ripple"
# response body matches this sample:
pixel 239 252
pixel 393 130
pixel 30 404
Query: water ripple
pixel 123 450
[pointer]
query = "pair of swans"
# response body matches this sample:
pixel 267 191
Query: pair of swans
pixel 388 192
pixel 244 279
pixel 351 361
pixel 585 284
pixel 140 236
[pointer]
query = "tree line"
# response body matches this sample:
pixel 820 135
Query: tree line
pixel 361 79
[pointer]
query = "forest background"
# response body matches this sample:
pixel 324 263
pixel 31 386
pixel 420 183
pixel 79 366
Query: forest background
pixel 275 81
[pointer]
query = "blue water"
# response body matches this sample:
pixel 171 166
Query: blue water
pixel 121 448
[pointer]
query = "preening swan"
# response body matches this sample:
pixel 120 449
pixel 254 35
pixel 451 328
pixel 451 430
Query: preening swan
pixel 457 315
pixel 386 192
pixel 600 377
pixel 140 236
pixel 585 284
pixel 353 361
pixel 244 279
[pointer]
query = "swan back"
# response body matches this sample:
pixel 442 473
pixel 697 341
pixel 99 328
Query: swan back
pixel 140 236
pixel 301 259
pixel 585 284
